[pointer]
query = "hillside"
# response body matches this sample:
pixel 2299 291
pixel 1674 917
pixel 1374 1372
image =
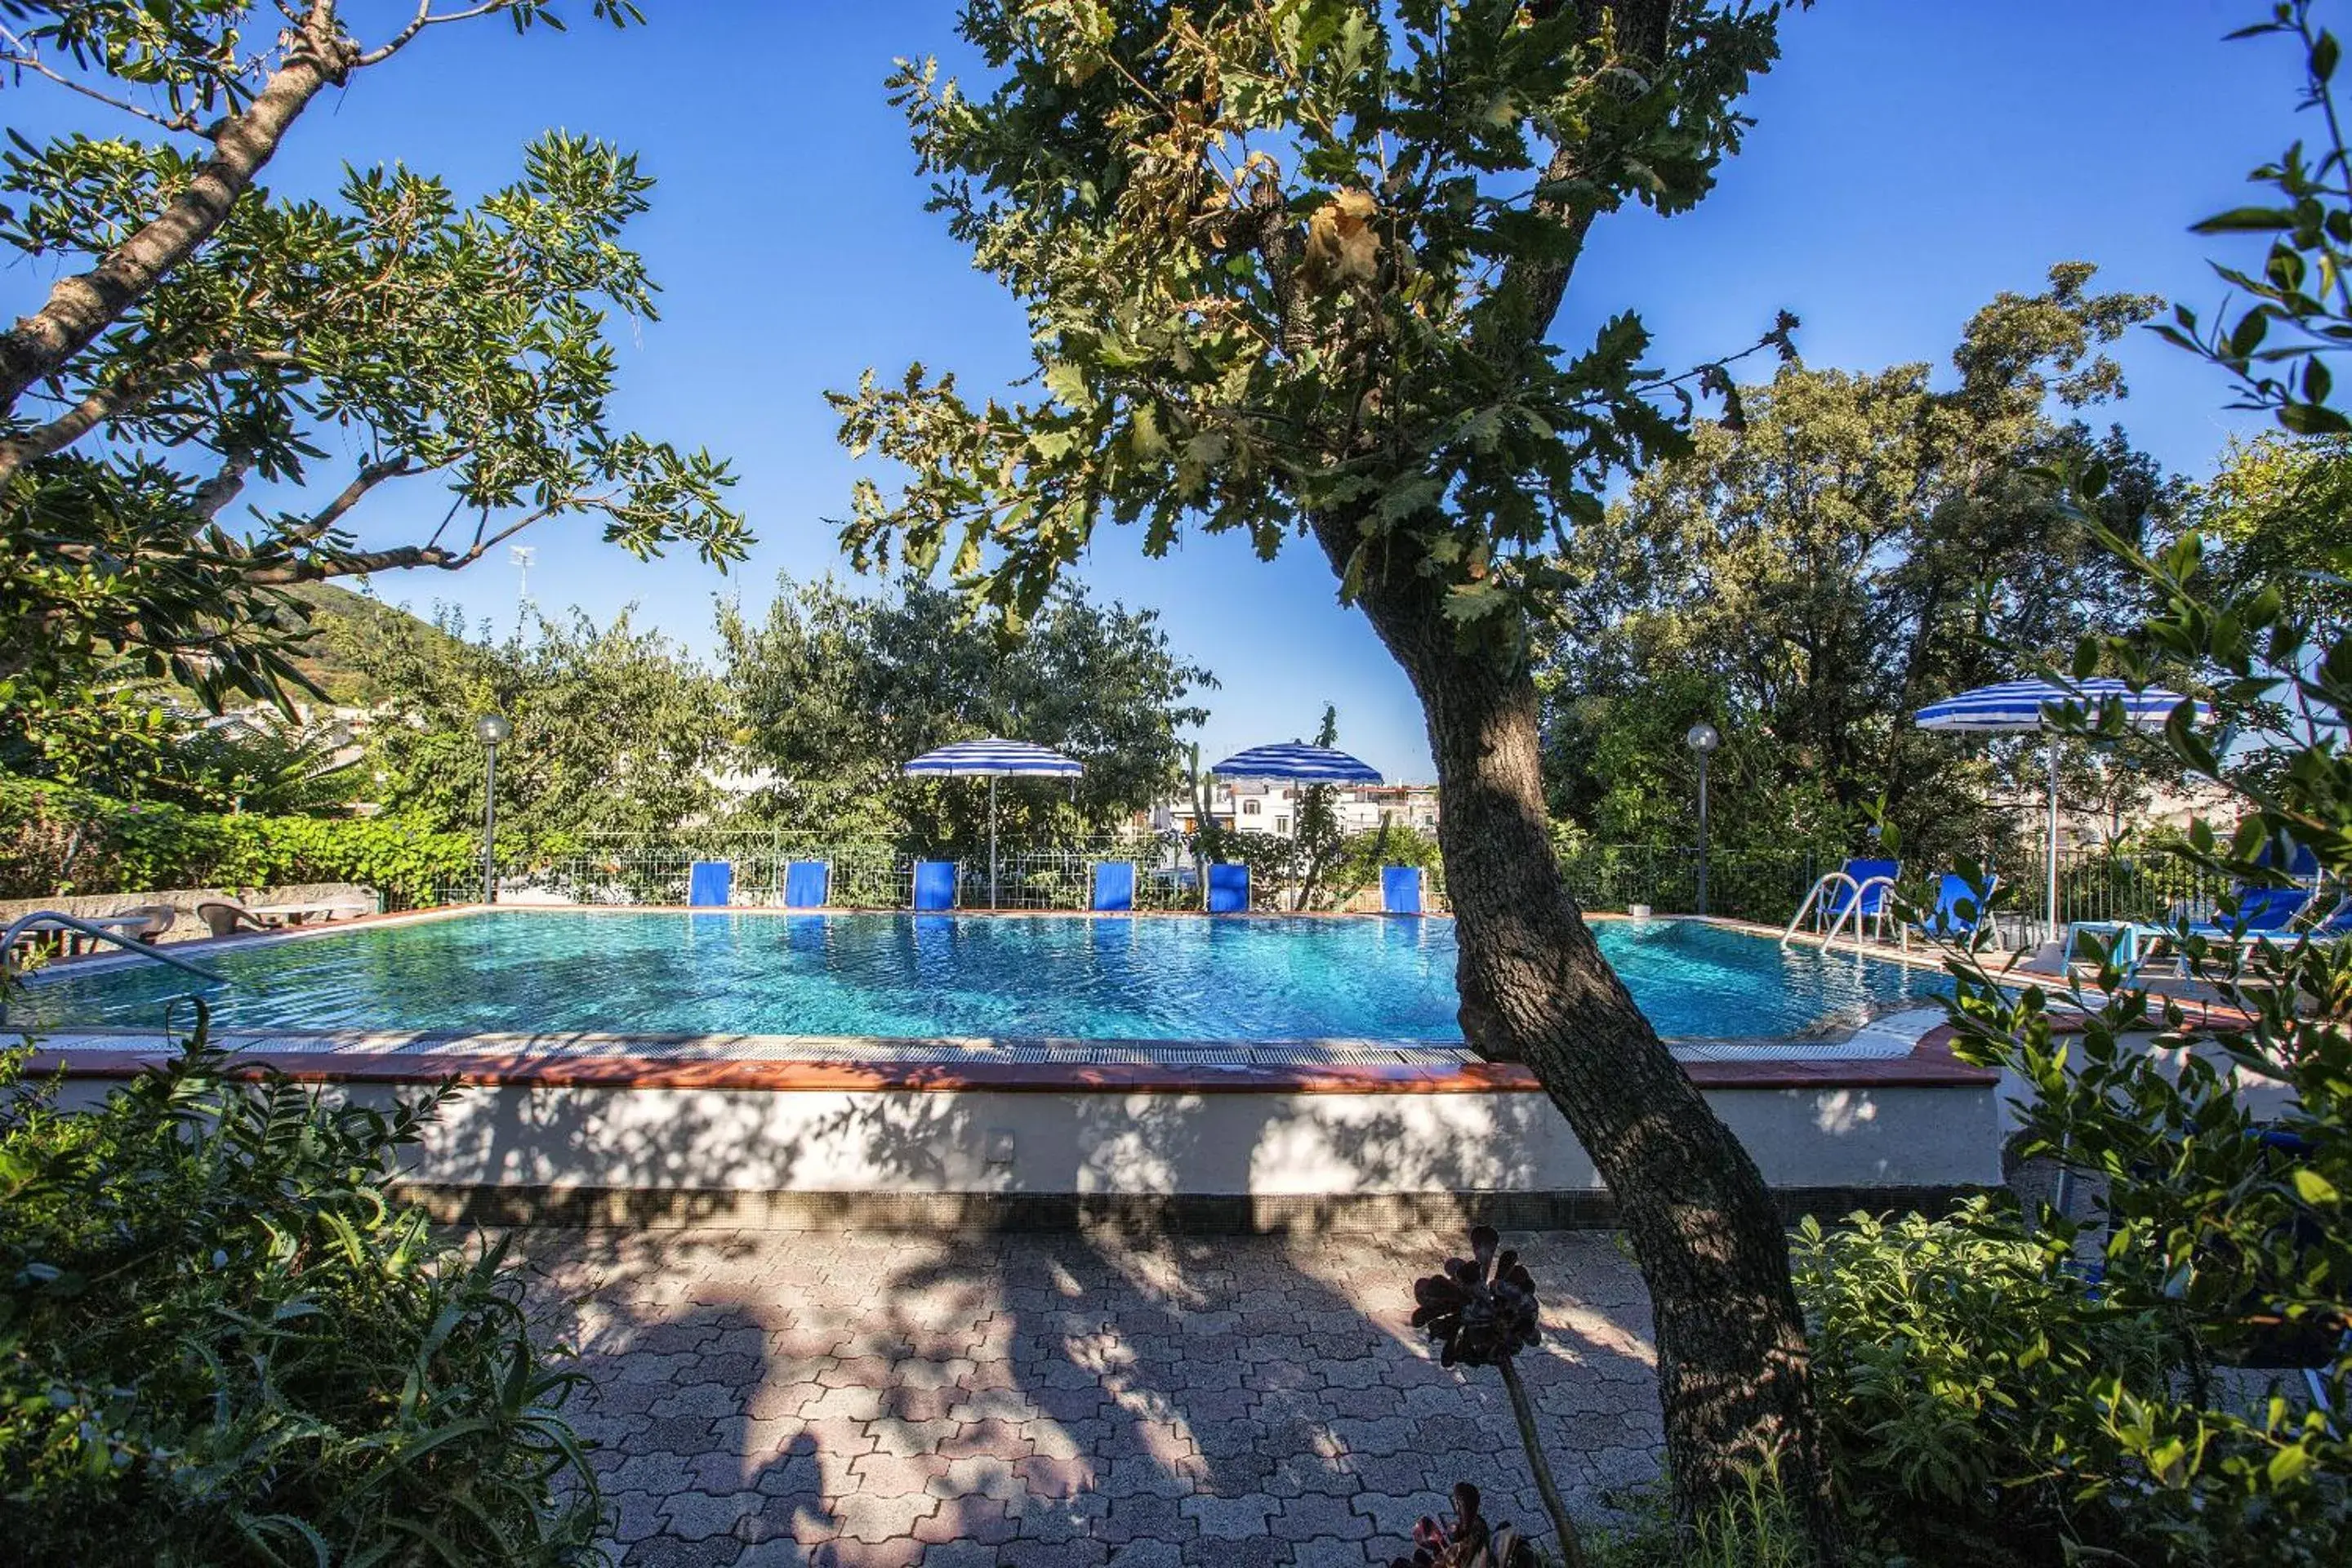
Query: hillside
pixel 341 620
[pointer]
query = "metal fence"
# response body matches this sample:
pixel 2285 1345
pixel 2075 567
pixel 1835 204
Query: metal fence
pixel 879 874
pixel 2123 887
pixel 861 873
pixel 1761 886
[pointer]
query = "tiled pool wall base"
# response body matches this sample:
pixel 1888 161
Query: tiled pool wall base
pixel 1239 1144
pixel 782 1132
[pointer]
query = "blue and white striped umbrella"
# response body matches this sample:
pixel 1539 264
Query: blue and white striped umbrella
pixel 1297 763
pixel 2020 706
pixel 2016 707
pixel 993 760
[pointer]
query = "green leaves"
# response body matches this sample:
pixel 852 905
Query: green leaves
pixel 835 689
pixel 1272 290
pixel 265 1361
pixel 424 336
pixel 2246 220
pixel 2299 309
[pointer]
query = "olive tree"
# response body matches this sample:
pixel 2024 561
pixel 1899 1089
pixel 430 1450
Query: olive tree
pixel 1297 269
pixel 204 334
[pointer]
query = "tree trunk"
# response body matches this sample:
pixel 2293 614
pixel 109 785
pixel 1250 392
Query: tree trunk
pixel 1732 1360
pixel 81 307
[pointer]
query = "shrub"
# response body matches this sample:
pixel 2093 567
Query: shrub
pixel 221 1341
pixel 55 839
pixel 1960 1367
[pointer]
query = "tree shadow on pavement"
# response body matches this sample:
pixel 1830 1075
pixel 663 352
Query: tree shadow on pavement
pixel 1108 1395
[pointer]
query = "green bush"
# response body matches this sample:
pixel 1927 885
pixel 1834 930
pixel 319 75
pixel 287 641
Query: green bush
pixel 1963 1370
pixel 55 839
pixel 221 1341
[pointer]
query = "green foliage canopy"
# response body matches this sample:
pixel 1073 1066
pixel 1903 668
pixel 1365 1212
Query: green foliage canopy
pixel 1855 546
pixel 616 729
pixel 1291 261
pixel 2279 511
pixel 834 691
pixel 208 334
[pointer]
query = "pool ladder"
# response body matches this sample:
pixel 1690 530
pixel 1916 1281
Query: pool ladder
pixel 57 920
pixel 1852 910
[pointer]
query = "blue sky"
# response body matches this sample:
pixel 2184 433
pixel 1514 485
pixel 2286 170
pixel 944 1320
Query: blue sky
pixel 1909 161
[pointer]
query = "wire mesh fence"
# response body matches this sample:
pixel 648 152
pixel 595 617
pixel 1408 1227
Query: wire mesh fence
pixel 1766 886
pixel 859 873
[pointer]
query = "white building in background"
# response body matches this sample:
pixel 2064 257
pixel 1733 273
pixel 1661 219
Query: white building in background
pixel 1252 805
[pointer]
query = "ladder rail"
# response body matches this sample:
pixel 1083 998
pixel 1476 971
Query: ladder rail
pixel 1851 911
pixel 1862 891
pixel 57 920
pixel 1813 898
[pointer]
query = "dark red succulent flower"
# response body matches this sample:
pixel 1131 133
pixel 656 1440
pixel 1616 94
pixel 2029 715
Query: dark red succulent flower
pixel 1482 1310
pixel 1468 1542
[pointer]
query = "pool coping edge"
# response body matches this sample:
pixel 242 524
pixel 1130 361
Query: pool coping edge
pixel 105 1054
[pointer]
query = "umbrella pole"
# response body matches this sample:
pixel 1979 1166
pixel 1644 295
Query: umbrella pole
pixel 992 838
pixel 2051 907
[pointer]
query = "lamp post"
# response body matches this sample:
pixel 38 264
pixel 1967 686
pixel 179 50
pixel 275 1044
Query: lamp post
pixel 490 729
pixel 1702 737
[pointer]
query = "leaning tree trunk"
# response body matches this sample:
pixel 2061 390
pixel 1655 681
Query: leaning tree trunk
pixel 1732 1364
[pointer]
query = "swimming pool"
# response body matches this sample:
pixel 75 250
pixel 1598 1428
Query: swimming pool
pixel 916 977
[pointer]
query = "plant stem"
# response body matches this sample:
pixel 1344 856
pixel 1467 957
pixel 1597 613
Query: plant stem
pixel 1571 1549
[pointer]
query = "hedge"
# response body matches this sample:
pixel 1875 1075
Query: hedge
pixel 55 839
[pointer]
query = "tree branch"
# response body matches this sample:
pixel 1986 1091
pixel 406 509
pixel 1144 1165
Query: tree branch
pixel 104 402
pixel 316 526
pixel 80 307
pixel 222 488
pixel 16 55
pixel 424 19
pixel 1531 291
pixel 399 557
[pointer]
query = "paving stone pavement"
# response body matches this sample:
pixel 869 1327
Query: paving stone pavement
pixel 875 1401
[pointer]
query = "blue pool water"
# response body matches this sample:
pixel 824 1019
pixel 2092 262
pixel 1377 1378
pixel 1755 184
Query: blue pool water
pixel 913 977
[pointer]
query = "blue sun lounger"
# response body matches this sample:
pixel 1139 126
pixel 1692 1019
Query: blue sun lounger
pixel 807 884
pixel 1114 887
pixel 1229 892
pixel 2261 911
pixel 1960 912
pixel 710 884
pixel 2264 914
pixel 935 884
pixel 1400 890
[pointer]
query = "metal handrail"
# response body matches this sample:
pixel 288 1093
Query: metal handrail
pixel 1813 897
pixel 57 920
pixel 1853 909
